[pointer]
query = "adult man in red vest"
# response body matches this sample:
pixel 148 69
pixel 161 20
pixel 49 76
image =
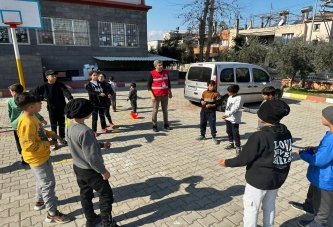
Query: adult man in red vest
pixel 160 90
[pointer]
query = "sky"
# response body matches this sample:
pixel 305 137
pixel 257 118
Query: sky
pixel 163 17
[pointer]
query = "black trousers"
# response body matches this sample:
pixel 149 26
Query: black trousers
pixel 211 118
pixel 233 133
pixel 57 119
pixel 98 111
pixel 134 106
pixel 17 141
pixel 107 113
pixel 89 180
pixel 322 202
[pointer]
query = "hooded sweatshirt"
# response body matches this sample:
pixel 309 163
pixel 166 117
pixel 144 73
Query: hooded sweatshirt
pixel 267 157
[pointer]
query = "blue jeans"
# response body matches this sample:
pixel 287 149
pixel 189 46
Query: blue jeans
pixel 45 185
pixel 211 118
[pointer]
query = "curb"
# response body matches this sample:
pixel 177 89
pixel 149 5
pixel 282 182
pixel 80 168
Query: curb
pixel 308 97
pixel 6 93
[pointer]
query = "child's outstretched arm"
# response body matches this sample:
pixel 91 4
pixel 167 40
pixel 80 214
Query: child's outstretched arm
pixel 322 157
pixel 66 92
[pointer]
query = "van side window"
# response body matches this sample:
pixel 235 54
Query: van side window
pixel 260 76
pixel 227 75
pixel 201 74
pixel 243 75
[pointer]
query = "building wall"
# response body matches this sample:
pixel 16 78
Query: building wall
pixel 59 57
pixel 33 72
pixel 137 76
pixel 154 44
pixel 320 34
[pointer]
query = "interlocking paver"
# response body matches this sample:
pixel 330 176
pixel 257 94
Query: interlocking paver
pixel 160 179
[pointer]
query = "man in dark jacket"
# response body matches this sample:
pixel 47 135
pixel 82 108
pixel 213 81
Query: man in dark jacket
pixel 54 93
pixel 267 157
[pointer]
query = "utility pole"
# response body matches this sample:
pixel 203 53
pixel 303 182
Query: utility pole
pixel 312 25
pixel 210 29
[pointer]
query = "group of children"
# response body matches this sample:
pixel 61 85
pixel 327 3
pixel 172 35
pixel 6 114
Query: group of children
pixel 267 153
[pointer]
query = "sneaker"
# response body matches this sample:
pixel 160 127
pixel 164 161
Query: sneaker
pixel 95 134
pixel 155 129
pixel 113 224
pixel 105 130
pixel 94 222
pixel 39 205
pixel 58 218
pixel 167 127
pixel 201 137
pixel 215 141
pixel 112 125
pixel 230 146
pixel 56 147
pixel 311 223
pixel 238 150
pixel 301 207
pixel 64 142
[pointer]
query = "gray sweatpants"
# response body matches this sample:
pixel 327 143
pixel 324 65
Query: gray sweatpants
pixel 322 203
pixel 252 199
pixel 45 185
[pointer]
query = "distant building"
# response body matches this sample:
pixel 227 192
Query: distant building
pixel 154 44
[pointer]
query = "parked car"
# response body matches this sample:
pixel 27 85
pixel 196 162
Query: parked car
pixel 250 78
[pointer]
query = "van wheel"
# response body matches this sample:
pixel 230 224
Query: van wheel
pixel 222 107
pixel 278 94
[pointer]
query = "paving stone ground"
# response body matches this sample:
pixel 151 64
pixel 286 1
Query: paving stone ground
pixel 164 179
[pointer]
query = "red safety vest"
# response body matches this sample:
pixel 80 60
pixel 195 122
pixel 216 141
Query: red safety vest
pixel 160 85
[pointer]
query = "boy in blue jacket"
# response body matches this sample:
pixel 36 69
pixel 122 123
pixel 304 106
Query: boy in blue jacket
pixel 320 175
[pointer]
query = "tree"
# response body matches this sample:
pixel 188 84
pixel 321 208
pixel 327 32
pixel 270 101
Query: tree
pixel 323 57
pixel 171 48
pixel 199 13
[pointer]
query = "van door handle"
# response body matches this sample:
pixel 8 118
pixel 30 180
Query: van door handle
pixel 255 86
pixel 195 93
pixel 249 86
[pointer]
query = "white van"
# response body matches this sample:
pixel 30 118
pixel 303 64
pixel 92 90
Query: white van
pixel 250 78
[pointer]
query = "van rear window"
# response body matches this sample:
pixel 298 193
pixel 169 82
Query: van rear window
pixel 201 74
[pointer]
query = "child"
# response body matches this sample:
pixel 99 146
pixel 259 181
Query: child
pixel 232 117
pixel 268 93
pixel 88 164
pixel 107 89
pixel 210 100
pixel 320 175
pixel 114 88
pixel 99 99
pixel 132 96
pixel 14 113
pixel 54 93
pixel 36 152
pixel 267 157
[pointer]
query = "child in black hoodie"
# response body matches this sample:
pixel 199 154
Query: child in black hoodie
pixel 267 157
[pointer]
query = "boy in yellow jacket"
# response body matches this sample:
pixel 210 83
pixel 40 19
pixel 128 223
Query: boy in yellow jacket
pixel 36 152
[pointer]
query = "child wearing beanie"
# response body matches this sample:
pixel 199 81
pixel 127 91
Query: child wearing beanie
pixel 319 201
pixel 267 157
pixel 88 164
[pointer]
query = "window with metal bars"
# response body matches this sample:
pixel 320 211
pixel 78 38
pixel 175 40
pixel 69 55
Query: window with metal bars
pixel 118 34
pixel 60 31
pixel 22 35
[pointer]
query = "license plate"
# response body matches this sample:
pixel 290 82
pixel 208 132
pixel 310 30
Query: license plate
pixel 192 88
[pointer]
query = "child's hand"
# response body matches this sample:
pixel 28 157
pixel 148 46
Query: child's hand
pixel 170 95
pixel 107 145
pixel 224 117
pixel 203 102
pixel 109 96
pixel 258 128
pixel 102 94
pixel 106 175
pixel 222 163
pixel 43 122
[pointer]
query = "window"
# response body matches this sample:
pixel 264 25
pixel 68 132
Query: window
pixel 260 76
pixel 224 43
pixel 118 34
pixel 243 75
pixel 227 75
pixel 286 38
pixel 317 27
pixel 60 31
pixel 201 74
pixel 22 35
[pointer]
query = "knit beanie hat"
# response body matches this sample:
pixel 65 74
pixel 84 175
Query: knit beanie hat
pixel 328 114
pixel 78 108
pixel 272 111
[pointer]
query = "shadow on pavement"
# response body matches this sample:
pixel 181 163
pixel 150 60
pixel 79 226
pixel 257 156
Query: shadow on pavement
pixel 13 167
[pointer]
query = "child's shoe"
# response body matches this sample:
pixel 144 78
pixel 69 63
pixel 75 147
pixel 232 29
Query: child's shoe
pixel 58 217
pixel 39 205
pixel 238 150
pixel 105 130
pixel 301 207
pixel 114 109
pixel 230 146
pixel 202 137
pixel 112 125
pixel 95 134
pixel 64 142
pixel 311 223
pixel 215 141
pixel 94 222
pixel 112 224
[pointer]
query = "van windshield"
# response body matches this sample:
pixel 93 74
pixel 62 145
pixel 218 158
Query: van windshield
pixel 201 74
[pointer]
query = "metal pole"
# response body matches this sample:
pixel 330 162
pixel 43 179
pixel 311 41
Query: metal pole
pixel 17 56
pixel 314 14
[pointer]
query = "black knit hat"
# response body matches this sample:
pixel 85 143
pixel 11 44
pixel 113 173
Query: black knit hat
pixel 272 111
pixel 328 114
pixel 78 108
